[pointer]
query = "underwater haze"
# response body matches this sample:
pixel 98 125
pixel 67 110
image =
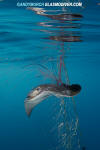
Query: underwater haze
pixel 33 43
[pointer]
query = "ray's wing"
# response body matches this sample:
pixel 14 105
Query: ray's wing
pixel 30 104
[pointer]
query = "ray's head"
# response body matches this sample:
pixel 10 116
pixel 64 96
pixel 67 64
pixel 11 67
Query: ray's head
pixel 75 89
pixel 34 93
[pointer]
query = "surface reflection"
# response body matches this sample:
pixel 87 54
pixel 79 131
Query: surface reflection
pixel 66 38
pixel 64 21
pixel 61 17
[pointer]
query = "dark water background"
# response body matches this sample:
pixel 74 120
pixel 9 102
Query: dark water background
pixel 26 39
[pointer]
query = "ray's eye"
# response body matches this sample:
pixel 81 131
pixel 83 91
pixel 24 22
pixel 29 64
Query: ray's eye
pixel 38 89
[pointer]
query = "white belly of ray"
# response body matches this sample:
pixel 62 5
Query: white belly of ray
pixel 36 98
pixel 31 103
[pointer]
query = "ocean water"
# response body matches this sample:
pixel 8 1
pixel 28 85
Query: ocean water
pixel 32 43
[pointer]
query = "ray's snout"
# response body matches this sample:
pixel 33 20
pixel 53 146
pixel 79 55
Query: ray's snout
pixel 76 87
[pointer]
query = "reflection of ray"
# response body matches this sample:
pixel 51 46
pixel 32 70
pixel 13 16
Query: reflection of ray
pixel 69 25
pixel 37 10
pixel 60 17
pixel 65 17
pixel 66 38
pixel 66 21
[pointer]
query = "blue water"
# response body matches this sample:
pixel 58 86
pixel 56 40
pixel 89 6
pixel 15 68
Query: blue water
pixel 28 40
